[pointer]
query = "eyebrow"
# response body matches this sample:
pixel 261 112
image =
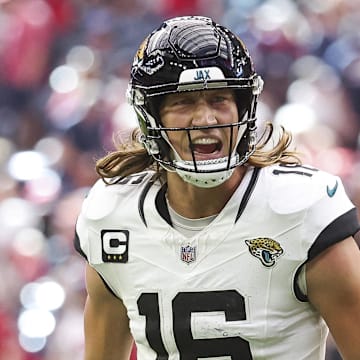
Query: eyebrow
pixel 193 94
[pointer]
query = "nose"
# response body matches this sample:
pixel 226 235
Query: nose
pixel 203 114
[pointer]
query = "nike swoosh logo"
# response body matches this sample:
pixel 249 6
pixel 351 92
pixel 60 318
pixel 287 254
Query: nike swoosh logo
pixel 331 191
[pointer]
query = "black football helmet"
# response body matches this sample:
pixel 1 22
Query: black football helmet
pixel 187 54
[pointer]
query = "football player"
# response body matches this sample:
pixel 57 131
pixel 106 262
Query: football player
pixel 203 242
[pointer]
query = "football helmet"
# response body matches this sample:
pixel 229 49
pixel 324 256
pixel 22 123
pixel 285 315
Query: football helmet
pixel 193 53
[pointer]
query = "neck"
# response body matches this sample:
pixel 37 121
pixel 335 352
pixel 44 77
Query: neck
pixel 194 202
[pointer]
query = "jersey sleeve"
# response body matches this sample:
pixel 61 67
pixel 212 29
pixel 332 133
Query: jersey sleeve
pixel 326 214
pixel 105 208
pixel 97 205
pixel 331 219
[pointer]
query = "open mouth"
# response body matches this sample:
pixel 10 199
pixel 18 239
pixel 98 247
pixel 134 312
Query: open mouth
pixel 206 146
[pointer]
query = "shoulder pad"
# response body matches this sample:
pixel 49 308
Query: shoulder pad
pixel 295 189
pixel 99 202
pixel 103 198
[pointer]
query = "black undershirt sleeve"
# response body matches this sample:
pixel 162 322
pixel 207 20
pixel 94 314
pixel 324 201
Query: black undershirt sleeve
pixel 344 226
pixel 77 246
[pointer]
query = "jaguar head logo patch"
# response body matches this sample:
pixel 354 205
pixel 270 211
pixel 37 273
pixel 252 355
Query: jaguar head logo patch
pixel 265 249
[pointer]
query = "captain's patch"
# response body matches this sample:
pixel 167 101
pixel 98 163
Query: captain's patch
pixel 265 249
pixel 115 245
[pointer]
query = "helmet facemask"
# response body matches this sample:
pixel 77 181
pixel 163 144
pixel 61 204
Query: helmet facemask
pixel 226 65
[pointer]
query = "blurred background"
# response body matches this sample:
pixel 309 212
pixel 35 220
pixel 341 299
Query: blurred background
pixel 64 68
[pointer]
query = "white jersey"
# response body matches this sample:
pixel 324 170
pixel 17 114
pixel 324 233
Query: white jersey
pixel 230 291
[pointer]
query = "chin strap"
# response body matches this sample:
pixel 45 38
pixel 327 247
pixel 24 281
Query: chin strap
pixel 205 180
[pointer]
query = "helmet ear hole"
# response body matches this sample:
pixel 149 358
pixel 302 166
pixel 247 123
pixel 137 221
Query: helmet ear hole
pixel 164 149
pixel 243 146
pixel 247 143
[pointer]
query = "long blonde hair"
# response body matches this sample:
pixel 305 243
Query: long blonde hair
pixel 131 157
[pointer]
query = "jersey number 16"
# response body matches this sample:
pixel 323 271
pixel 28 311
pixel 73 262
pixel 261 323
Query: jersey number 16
pixel 229 302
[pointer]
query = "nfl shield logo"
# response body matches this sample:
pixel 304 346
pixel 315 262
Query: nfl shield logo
pixel 188 253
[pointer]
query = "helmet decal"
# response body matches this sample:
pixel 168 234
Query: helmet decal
pixel 153 63
pixel 140 53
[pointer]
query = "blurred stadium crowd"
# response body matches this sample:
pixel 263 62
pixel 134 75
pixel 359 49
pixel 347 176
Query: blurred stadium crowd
pixel 64 69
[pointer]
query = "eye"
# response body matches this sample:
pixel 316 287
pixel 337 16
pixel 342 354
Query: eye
pixel 219 99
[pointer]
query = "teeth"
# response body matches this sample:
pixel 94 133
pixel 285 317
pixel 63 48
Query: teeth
pixel 205 141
